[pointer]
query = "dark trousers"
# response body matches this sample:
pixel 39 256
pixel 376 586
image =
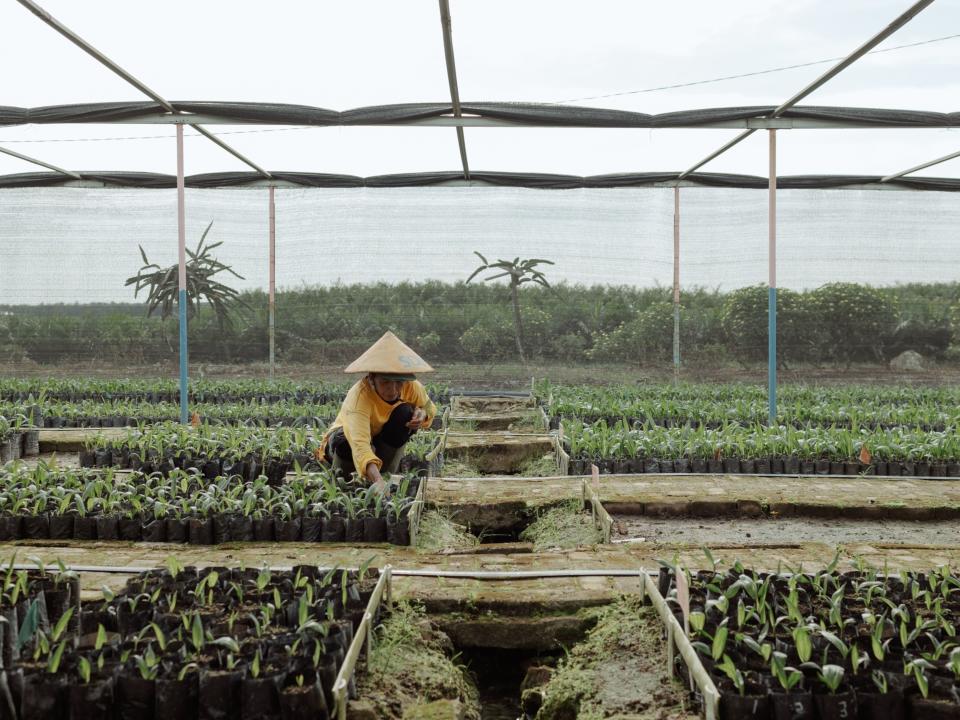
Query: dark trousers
pixel 387 444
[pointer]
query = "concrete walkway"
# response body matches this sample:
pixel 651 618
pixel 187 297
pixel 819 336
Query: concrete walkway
pixel 676 495
pixel 447 594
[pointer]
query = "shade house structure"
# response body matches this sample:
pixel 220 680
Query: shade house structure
pixel 787 161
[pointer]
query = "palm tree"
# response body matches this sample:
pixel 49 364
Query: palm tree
pixel 520 272
pixel 163 284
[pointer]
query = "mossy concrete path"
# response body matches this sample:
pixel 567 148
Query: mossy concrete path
pixel 684 495
pixel 497 451
pixel 63 440
pixel 448 592
pixel 497 434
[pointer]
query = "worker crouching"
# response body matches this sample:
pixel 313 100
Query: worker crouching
pixel 380 413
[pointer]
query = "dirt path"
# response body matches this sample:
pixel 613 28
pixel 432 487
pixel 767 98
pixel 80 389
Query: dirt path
pixel 498 375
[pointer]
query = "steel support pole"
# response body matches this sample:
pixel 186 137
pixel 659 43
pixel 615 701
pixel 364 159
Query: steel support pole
pixel 273 276
pixel 676 285
pixel 772 295
pixel 182 284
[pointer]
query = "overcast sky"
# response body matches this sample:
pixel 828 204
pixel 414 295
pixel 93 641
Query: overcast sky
pixel 349 54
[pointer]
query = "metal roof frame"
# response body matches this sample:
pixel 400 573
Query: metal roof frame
pixel 171 114
pixel 451 64
pixel 889 30
pixel 922 166
pixel 110 64
pixel 41 163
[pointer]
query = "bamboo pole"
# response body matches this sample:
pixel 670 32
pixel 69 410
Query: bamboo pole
pixel 362 636
pixel 678 639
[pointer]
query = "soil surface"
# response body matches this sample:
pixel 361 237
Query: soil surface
pixel 620 669
pixel 766 530
pixel 410 673
pixel 501 375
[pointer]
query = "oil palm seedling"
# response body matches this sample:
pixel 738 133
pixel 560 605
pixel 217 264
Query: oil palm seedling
pixel 859 637
pixel 181 506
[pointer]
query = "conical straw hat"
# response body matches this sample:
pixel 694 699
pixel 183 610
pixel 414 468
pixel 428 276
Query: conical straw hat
pixel 391 356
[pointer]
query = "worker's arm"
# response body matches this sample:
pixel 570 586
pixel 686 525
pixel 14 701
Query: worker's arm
pixel 356 428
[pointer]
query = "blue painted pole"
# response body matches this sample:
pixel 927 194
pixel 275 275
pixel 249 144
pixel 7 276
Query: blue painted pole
pixel 182 275
pixel 182 301
pixel 772 354
pixel 676 285
pixel 772 297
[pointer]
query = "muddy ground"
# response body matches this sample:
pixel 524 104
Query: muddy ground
pixel 500 375
pixel 619 670
pixel 776 531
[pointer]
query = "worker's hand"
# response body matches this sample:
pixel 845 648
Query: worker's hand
pixel 419 416
pixel 377 483
pixel 372 473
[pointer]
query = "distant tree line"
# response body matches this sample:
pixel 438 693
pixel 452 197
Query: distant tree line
pixel 838 323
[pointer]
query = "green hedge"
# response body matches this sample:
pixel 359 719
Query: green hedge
pixel 837 323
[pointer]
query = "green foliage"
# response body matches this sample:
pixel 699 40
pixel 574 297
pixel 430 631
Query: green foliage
pixel 486 339
pixel 925 318
pixel 954 318
pixel 644 339
pixel 332 325
pixel 428 343
pixel 853 322
pixel 745 322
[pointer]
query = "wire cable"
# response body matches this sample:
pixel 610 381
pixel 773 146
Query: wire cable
pixel 749 74
pixel 555 102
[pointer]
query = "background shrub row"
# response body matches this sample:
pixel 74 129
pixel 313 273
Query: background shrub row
pixel 836 323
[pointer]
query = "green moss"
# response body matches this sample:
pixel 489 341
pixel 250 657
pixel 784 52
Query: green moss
pixel 618 668
pixel 563 526
pixel 409 664
pixel 462 466
pixel 543 466
pixel 438 532
pixel 531 420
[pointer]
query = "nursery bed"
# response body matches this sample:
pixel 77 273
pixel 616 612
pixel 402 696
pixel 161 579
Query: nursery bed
pixel 824 644
pixel 185 643
pixel 45 503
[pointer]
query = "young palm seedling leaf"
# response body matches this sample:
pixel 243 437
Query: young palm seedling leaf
pixel 831 676
pixel 83 668
pixel 29 625
pixel 53 663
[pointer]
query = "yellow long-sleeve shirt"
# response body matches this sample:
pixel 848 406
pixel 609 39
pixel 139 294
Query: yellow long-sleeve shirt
pixel 364 413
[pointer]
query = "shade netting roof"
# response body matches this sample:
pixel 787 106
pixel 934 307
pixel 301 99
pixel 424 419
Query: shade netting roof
pixel 341 79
